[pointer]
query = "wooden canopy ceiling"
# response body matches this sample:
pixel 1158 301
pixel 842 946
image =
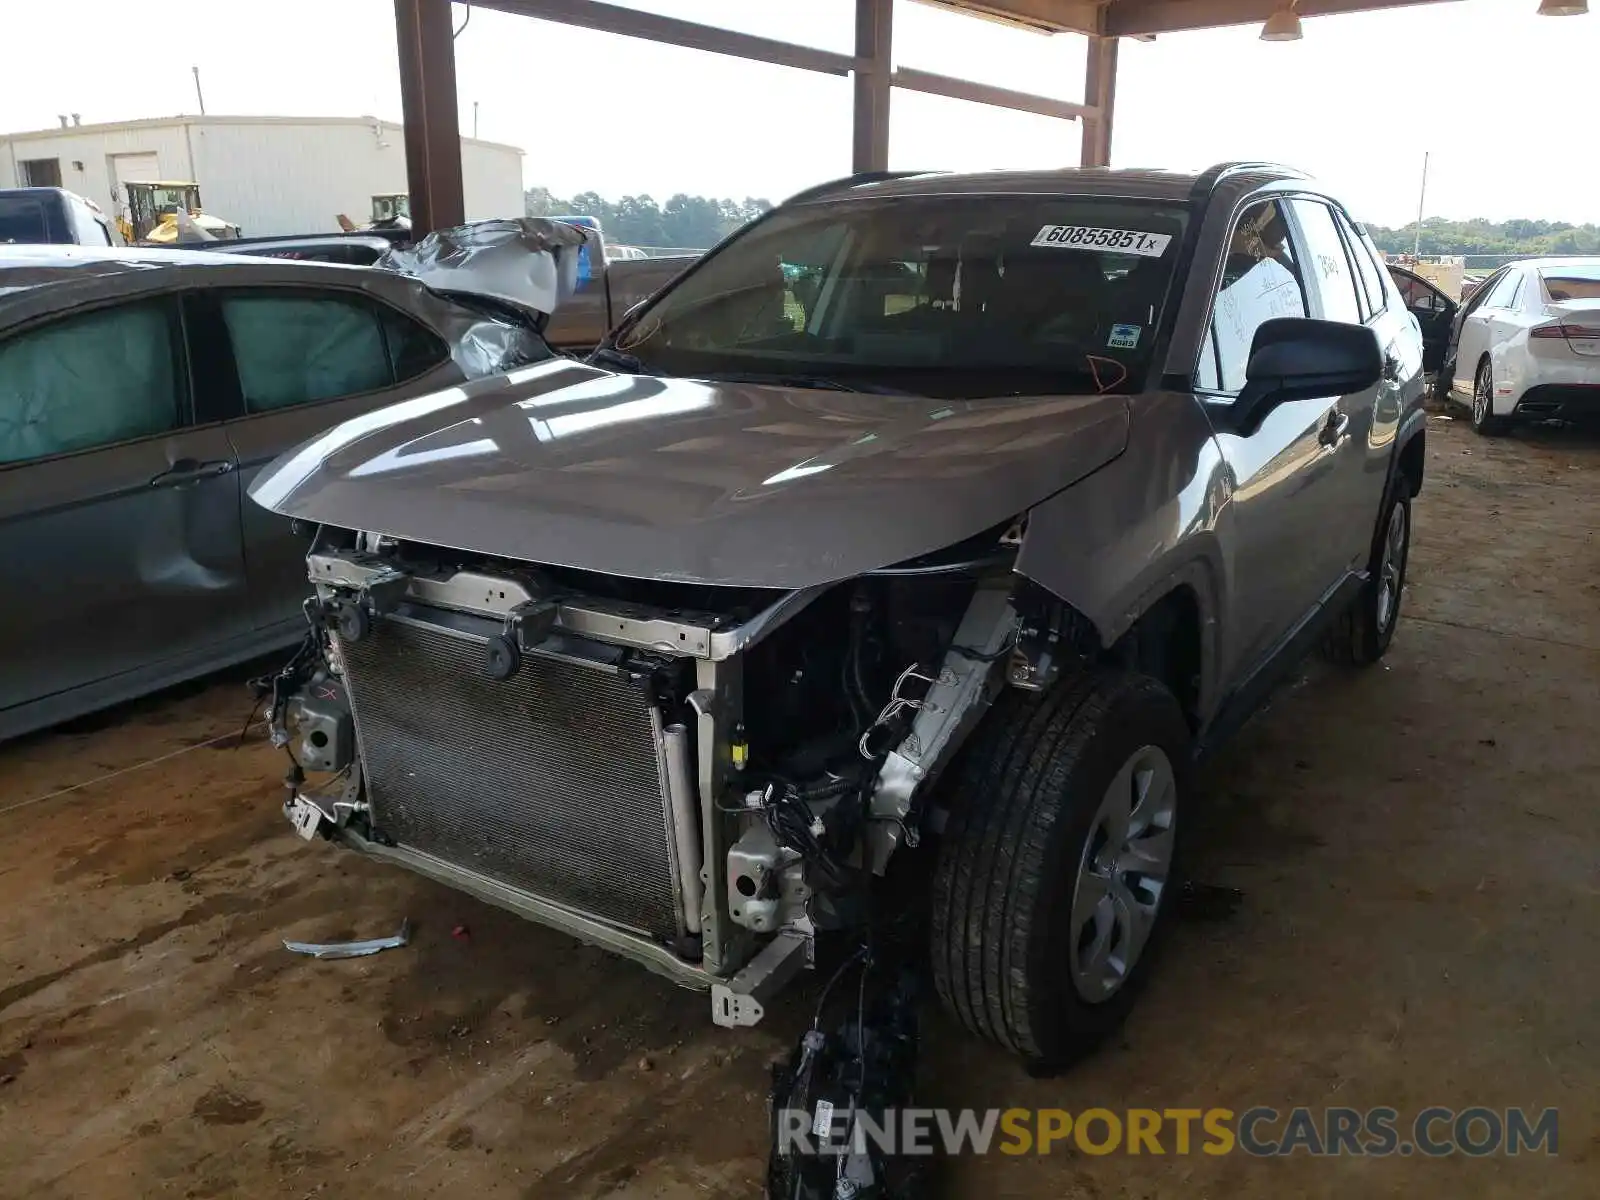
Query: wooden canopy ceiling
pixel 1142 18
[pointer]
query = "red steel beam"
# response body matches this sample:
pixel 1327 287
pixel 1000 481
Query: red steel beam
pixel 1100 93
pixel 874 38
pixel 983 93
pixel 428 100
pixel 633 22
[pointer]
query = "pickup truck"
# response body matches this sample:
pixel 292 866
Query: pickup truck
pixel 609 284
pixel 53 216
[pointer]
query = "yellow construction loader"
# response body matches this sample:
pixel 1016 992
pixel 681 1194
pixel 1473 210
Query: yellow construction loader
pixel 158 212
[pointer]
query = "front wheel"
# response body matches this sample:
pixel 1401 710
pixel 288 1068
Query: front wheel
pixel 1058 862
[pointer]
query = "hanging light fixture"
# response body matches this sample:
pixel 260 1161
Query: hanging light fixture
pixel 1283 25
pixel 1563 8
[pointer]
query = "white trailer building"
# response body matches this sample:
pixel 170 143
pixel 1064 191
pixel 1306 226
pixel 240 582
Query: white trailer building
pixel 267 175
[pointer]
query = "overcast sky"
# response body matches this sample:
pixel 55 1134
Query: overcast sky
pixel 1357 102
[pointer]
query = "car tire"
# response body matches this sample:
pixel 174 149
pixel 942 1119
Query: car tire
pixel 1484 420
pixel 1362 633
pixel 1031 897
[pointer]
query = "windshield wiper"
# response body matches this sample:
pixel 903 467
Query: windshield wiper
pixel 620 359
pixel 782 379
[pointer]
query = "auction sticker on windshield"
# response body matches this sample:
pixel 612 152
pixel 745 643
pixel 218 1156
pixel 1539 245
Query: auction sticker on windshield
pixel 1088 237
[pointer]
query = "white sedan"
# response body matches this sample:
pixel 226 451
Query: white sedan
pixel 1528 345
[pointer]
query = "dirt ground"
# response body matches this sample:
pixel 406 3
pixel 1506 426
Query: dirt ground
pixel 1416 847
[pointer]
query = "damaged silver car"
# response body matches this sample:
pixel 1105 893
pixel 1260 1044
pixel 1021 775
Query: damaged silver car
pixel 893 566
pixel 140 392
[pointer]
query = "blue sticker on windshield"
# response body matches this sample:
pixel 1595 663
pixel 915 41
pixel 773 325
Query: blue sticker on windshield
pixel 1125 337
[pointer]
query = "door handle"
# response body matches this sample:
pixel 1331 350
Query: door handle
pixel 189 470
pixel 1333 428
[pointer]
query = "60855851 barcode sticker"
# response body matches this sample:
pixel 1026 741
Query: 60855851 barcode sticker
pixel 1088 237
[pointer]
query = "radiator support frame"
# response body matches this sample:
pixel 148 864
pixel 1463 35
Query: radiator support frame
pixel 591 631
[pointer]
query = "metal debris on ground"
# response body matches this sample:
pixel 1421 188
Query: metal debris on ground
pixel 351 949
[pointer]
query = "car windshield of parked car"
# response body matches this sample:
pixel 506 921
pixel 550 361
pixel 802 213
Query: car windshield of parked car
pixel 948 295
pixel 1580 282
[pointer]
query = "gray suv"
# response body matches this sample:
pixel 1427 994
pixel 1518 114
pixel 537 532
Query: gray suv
pixel 941 519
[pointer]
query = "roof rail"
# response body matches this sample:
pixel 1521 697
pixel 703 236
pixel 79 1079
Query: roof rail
pixel 850 181
pixel 1211 176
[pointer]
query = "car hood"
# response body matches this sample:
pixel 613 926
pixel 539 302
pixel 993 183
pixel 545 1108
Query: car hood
pixel 742 484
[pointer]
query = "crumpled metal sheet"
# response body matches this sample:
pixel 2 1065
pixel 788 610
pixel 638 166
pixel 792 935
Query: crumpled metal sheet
pixel 530 262
pixel 487 347
pixel 351 949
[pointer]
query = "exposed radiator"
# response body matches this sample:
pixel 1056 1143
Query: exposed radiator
pixel 550 782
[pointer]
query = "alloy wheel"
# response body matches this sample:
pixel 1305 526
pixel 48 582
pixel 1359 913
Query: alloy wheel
pixel 1391 566
pixel 1481 402
pixel 1126 861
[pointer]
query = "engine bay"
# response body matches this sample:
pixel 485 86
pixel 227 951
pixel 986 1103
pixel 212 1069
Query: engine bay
pixel 704 778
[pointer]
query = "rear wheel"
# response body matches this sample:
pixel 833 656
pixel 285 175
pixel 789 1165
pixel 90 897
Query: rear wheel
pixel 1058 862
pixel 1484 420
pixel 1362 634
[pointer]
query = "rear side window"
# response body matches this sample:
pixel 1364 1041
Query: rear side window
pixel 1261 279
pixel 1505 291
pixel 1327 265
pixel 1368 271
pixel 303 348
pixel 1480 293
pixel 89 381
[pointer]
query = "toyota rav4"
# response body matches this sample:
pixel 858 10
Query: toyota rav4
pixel 942 519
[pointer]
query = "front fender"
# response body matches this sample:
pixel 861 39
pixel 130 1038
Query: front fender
pixel 1117 541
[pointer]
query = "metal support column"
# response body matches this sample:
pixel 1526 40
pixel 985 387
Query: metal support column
pixel 874 37
pixel 428 99
pixel 1100 94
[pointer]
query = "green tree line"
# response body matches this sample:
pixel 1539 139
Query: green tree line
pixel 695 222
pixel 1506 239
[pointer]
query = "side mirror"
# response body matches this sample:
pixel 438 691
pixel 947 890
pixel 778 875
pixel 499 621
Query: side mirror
pixel 1297 358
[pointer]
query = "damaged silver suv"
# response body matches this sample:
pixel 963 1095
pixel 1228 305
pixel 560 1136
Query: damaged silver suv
pixel 937 518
